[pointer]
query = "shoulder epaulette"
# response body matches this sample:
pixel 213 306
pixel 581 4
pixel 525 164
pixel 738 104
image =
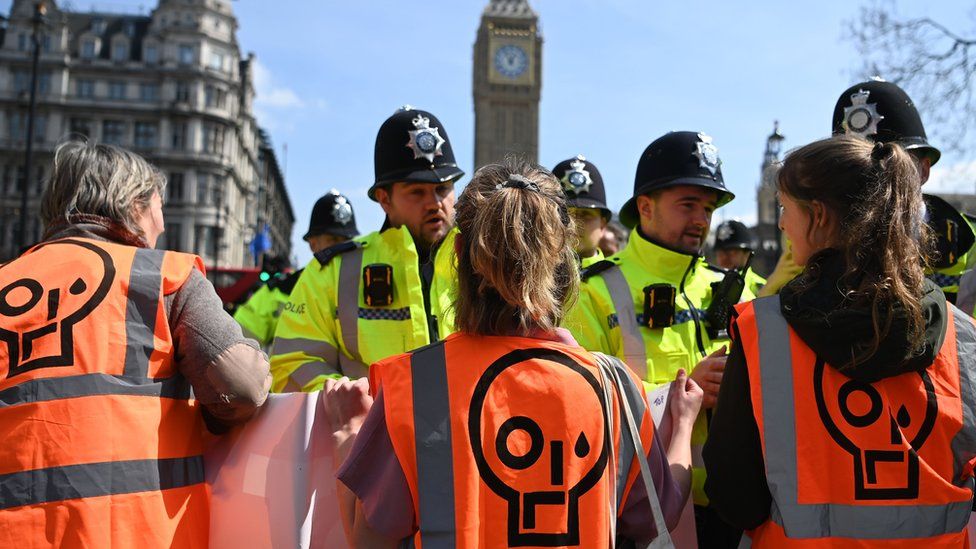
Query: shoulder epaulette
pixel 286 284
pixel 326 255
pixel 715 268
pixel 596 268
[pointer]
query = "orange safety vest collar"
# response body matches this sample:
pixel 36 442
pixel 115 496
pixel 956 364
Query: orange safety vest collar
pixel 103 444
pixel 858 478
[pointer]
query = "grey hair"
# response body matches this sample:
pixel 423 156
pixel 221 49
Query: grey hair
pixel 101 180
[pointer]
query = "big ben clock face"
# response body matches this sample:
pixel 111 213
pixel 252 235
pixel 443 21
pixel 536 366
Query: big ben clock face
pixel 511 61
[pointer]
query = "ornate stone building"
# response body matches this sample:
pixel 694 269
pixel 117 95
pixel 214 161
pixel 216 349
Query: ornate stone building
pixel 767 224
pixel 507 82
pixel 171 86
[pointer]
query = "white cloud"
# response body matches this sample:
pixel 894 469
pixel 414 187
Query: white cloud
pixel 270 94
pixel 954 178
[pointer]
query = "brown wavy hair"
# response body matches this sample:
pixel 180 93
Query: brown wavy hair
pixel 517 271
pixel 873 190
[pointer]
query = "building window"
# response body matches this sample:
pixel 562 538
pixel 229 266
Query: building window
pixel 203 188
pixel 216 61
pixel 120 51
pixel 98 25
pixel 174 188
pixel 22 42
pixel 22 82
pixel 145 135
pixel 186 54
pixel 179 136
pixel 116 90
pixel 174 236
pixel 206 242
pixel 80 127
pixel 113 132
pixel 182 92
pixel 149 92
pixel 17 127
pixel 88 49
pixel 46 42
pixel 85 88
pixel 215 97
pixel 151 54
pixel 213 138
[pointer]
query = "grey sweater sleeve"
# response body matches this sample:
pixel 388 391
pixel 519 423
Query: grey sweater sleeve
pixel 228 372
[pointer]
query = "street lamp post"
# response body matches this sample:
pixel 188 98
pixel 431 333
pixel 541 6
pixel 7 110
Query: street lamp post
pixel 774 145
pixel 40 9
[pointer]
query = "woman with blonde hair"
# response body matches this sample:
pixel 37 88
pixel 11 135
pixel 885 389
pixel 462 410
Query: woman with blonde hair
pixel 117 356
pixel 507 433
pixel 846 415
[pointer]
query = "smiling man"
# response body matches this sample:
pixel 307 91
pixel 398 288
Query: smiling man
pixel 387 292
pixel 646 304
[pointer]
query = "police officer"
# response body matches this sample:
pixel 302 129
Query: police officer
pixel 647 304
pixel 332 222
pixel 587 201
pixel 734 245
pixel 386 292
pixel 881 111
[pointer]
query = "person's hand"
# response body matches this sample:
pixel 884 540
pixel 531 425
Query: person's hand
pixel 685 400
pixel 346 405
pixel 708 375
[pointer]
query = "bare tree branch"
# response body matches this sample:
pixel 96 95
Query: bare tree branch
pixel 935 65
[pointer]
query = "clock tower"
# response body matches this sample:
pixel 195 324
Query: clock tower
pixel 507 82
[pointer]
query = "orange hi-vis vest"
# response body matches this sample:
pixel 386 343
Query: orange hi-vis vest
pixel 508 442
pixel 855 464
pixel 102 442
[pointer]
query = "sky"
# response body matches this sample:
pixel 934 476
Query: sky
pixel 616 74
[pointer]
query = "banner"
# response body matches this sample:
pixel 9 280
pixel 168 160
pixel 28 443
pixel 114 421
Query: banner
pixel 272 483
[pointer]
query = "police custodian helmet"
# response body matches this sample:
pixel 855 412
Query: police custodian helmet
pixel 733 235
pixel 412 146
pixel 881 111
pixel 582 184
pixel 677 158
pixel 332 214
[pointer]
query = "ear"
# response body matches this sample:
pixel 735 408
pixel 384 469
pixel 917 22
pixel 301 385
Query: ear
pixel 820 214
pixel 924 169
pixel 384 197
pixel 645 206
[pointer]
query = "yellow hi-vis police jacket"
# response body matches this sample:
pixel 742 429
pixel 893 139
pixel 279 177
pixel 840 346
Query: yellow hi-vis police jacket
pixel 328 330
pixel 258 316
pixel 609 318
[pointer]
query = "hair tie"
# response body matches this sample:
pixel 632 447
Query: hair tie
pixel 516 181
pixel 881 151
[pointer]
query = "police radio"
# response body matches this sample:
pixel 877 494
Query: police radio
pixel 725 294
pixel 378 285
pixel 659 305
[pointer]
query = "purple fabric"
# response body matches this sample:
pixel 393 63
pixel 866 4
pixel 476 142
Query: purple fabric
pixel 372 472
pixel 635 521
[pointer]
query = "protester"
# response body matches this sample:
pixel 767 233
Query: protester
pixel 503 434
pixel 844 415
pixel 105 338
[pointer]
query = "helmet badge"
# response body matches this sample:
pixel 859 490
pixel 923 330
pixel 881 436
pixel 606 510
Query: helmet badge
pixel 577 180
pixel 425 142
pixel 707 154
pixel 861 118
pixel 724 232
pixel 341 209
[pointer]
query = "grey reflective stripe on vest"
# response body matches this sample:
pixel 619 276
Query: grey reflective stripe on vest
pixel 348 299
pixel 311 347
pixel 142 304
pixel 352 368
pixel 966 298
pixel 55 388
pixel 779 426
pixel 964 441
pixel 432 432
pixel 91 480
pixel 627 452
pixel 308 372
pixel 635 355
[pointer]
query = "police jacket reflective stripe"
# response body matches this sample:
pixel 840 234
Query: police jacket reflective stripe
pixel 849 462
pixel 966 300
pixel 103 444
pixel 509 442
pixel 327 329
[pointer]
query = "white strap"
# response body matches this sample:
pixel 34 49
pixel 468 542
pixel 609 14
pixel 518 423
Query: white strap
pixel 609 369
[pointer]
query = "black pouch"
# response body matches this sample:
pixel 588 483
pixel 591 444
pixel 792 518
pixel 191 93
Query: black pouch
pixel 378 285
pixel 659 305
